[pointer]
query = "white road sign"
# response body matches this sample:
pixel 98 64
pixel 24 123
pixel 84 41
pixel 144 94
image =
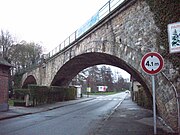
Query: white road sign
pixel 174 37
pixel 152 63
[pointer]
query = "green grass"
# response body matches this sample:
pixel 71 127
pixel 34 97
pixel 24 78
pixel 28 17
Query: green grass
pixel 103 93
pixel 11 102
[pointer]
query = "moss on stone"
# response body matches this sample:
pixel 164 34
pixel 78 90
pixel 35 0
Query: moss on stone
pixel 165 12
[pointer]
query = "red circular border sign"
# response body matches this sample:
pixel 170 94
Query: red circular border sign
pixel 152 72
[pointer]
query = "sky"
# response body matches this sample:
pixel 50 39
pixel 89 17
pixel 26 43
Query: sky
pixel 46 22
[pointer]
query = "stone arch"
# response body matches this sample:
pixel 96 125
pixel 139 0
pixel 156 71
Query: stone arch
pixel 122 45
pixel 71 68
pixel 29 80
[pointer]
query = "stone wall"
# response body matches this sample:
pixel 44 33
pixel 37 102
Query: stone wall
pixel 120 39
pixel 139 95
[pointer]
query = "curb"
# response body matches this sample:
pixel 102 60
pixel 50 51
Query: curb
pixel 15 116
pixel 43 110
pixel 115 108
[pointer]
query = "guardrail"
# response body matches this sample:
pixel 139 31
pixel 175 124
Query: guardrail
pixel 105 10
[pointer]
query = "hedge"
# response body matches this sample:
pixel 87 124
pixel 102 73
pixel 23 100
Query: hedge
pixel 20 93
pixel 46 94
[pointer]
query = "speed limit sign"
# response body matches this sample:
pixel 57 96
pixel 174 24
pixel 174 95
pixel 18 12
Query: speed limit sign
pixel 152 63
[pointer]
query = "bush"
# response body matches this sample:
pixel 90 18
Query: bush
pixel 50 94
pixel 20 93
pixel 38 94
pixel 19 103
pixel 45 94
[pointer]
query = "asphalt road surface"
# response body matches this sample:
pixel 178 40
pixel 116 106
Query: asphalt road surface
pixel 77 119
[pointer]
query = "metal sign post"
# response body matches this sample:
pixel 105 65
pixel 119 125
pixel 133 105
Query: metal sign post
pixel 154 104
pixel 152 63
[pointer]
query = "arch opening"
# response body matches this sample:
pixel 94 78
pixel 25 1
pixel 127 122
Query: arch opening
pixel 29 80
pixel 71 68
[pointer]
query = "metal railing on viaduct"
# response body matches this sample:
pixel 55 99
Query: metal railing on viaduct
pixel 102 12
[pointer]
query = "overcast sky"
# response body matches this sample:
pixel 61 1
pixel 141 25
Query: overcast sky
pixel 47 22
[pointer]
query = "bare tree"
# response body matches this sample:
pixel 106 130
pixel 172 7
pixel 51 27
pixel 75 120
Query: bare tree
pixel 107 77
pixel 6 42
pixel 25 54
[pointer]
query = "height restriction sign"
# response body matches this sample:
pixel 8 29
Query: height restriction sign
pixel 152 63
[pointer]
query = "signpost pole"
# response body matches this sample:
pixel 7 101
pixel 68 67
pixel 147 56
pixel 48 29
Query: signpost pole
pixel 154 104
pixel 152 63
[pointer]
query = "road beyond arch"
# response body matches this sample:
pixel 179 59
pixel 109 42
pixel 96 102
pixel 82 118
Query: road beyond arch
pixel 120 39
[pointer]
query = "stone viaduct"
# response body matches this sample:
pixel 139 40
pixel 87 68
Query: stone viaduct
pixel 120 39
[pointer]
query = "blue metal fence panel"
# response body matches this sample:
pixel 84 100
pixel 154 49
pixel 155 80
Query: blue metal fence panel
pixel 105 10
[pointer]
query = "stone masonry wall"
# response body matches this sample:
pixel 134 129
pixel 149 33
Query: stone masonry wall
pixel 120 40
